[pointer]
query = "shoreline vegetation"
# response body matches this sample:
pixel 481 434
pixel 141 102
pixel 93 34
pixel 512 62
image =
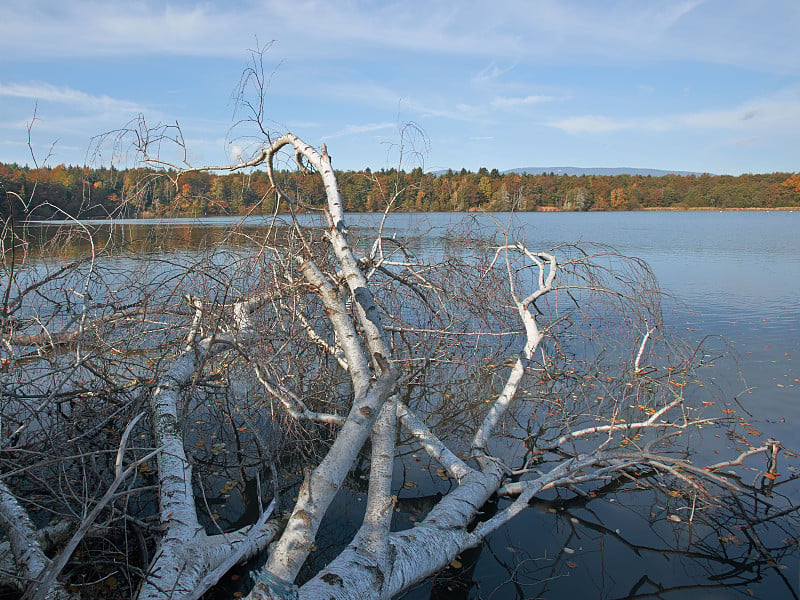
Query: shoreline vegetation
pixel 713 208
pixel 81 192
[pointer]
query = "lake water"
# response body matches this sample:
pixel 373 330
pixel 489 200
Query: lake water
pixel 732 274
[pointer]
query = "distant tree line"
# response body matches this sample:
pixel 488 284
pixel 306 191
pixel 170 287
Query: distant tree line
pixel 82 192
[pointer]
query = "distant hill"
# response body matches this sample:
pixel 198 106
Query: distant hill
pixel 597 171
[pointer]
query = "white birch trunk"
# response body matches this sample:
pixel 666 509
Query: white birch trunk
pixel 186 554
pixel 411 555
pixel 30 561
pixel 317 492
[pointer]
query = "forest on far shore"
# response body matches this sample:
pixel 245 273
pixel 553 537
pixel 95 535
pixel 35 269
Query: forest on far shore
pixel 53 192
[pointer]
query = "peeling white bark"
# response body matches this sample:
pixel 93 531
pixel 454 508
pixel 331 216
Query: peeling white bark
pixel 372 538
pixel 413 554
pixel 30 560
pixel 438 451
pixel 48 538
pixel 547 269
pixel 290 551
pixel 637 363
pixel 186 554
pixel 321 486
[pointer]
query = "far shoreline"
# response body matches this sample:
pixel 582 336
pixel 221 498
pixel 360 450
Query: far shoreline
pixel 715 208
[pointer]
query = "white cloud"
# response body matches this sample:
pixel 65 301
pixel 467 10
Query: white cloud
pixel 776 114
pixel 590 124
pixel 90 28
pixel 490 74
pixel 771 115
pixel 359 129
pixel 45 92
pixel 518 30
pixel 457 67
pixel 426 102
pixel 510 102
pixel 61 121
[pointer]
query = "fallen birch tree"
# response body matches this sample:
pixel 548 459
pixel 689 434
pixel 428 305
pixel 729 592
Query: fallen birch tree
pixel 517 371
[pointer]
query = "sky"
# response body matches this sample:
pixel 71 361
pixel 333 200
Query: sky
pixel 691 85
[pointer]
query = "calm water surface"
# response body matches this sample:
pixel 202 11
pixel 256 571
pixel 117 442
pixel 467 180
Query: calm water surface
pixel 733 274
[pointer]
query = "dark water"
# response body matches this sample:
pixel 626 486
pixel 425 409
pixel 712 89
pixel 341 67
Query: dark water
pixel 731 274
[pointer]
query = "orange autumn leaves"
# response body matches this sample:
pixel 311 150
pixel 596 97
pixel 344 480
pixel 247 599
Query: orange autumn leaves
pixel 793 183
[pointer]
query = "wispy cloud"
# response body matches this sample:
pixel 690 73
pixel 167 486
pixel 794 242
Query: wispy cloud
pixel 591 124
pixel 418 103
pixel 777 114
pixel 512 30
pixel 359 92
pixel 45 92
pixel 510 69
pixel 91 28
pixel 490 74
pixel 360 129
pixel 511 102
pixel 764 115
pixel 60 121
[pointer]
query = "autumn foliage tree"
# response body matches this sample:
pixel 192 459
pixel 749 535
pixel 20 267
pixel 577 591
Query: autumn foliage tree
pixel 793 183
pixel 142 192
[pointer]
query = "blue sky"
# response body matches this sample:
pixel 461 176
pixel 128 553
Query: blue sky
pixel 695 85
